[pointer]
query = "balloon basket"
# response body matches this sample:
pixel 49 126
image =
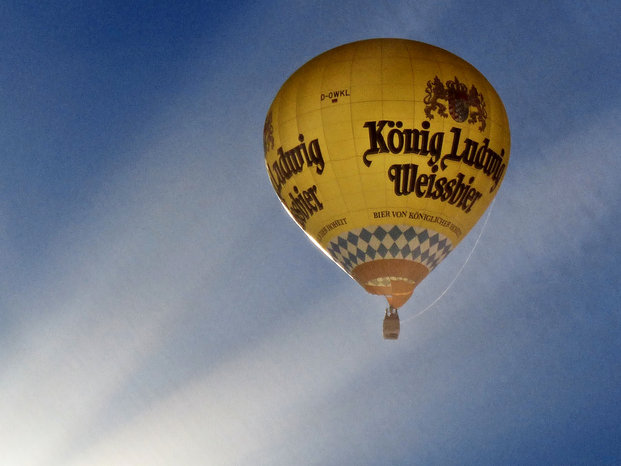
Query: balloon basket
pixel 391 324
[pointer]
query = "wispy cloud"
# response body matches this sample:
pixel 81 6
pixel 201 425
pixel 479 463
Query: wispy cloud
pixel 255 399
pixel 153 243
pixel 175 323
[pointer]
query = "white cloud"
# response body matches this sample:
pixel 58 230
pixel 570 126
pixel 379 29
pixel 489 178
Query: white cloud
pixel 120 279
pixel 245 409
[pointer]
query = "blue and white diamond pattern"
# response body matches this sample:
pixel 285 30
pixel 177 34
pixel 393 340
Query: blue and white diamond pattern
pixel 361 245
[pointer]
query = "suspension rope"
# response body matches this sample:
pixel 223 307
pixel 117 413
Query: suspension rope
pixel 489 211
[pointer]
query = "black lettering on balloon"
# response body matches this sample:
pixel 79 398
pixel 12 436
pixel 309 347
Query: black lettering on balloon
pixel 389 137
pixel 293 161
pixel 406 181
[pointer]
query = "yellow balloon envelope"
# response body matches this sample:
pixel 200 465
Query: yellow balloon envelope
pixel 386 152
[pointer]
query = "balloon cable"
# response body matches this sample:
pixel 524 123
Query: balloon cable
pixel 489 211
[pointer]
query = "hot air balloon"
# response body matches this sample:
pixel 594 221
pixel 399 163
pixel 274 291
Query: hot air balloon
pixel 386 152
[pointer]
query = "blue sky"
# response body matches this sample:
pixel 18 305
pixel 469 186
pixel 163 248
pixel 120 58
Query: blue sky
pixel 157 306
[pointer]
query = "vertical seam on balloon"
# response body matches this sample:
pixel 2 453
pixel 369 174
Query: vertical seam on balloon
pixel 381 75
pixel 311 173
pixel 329 153
pixel 279 97
pixel 414 103
pixel 425 204
pixel 353 131
pixel 443 206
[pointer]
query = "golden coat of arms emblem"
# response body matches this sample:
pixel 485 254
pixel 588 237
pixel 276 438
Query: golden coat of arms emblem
pixel 463 103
